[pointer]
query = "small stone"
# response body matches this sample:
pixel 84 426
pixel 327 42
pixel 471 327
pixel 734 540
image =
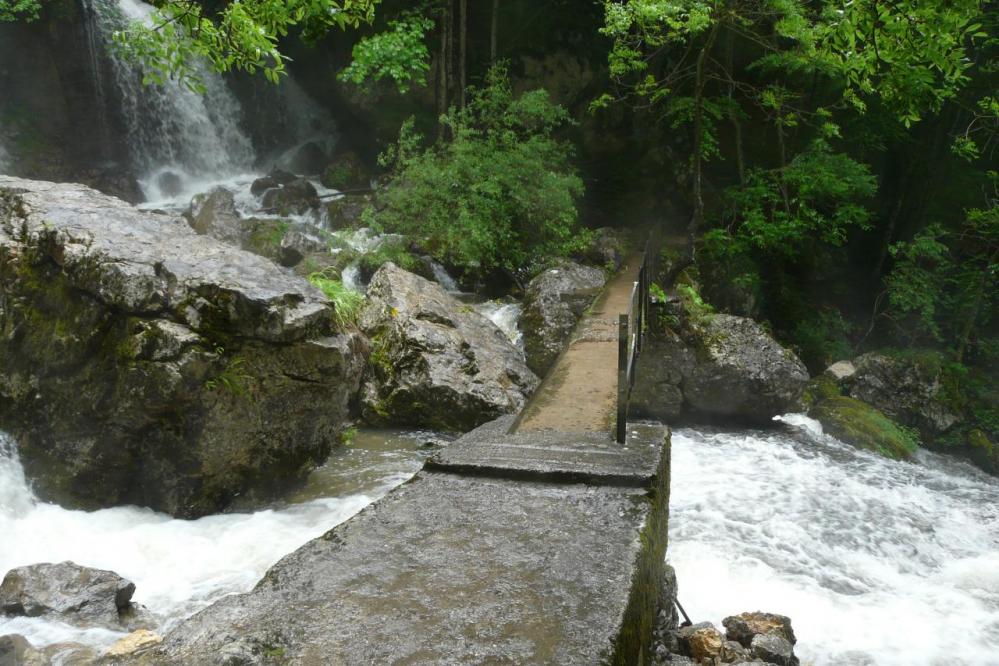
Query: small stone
pixel 261 185
pixel 743 627
pixel 706 644
pixel 773 649
pixel 136 641
pixel 842 370
pixel 733 651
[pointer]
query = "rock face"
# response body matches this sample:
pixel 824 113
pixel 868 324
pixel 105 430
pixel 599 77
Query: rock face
pixel 553 303
pixel 743 627
pixel 297 197
pixel 436 362
pixel 715 366
pixel 69 593
pixel 214 214
pixel 141 363
pixel 906 389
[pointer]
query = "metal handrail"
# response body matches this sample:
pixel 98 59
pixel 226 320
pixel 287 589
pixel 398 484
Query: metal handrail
pixel 631 334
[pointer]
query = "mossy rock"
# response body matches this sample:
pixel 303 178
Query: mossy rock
pixel 863 426
pixel 820 388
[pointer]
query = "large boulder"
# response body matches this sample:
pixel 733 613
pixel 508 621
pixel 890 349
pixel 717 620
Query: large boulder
pixel 141 363
pixel 742 372
pixel 346 172
pixel 346 211
pixel 700 365
pixel 295 198
pixel 553 303
pixel 906 388
pixel 436 362
pixel 69 593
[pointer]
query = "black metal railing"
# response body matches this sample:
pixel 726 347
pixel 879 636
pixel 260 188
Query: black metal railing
pixel 631 336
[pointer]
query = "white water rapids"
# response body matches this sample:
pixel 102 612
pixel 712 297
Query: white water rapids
pixel 875 561
pixel 181 566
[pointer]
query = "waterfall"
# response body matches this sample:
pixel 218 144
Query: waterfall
pixel 171 128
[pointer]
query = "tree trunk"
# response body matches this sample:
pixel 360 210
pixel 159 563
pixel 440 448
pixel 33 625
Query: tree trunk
pixel 976 307
pixel 463 50
pixel 493 32
pixel 697 219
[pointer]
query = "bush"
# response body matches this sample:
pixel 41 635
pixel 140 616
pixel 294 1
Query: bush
pixel 347 303
pixel 500 195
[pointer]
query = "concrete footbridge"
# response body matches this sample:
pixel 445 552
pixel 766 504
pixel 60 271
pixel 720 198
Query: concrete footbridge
pixel 535 539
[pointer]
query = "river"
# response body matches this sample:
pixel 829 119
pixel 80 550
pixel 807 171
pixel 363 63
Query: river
pixel 876 561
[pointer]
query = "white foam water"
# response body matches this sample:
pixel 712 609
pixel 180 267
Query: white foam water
pixel 506 315
pixel 181 566
pixel 875 561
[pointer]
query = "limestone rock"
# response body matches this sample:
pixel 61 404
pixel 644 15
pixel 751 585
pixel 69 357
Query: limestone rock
pixel 773 649
pixel 705 644
pixel 841 370
pixel 214 214
pixel 297 197
pixel 553 303
pixel 743 627
pixel 141 363
pixel 15 650
pixel 67 592
pixel 908 390
pixel 742 372
pixel 135 642
pixel 435 361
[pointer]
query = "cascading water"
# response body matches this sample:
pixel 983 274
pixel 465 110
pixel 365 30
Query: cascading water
pixel 171 128
pixel 180 566
pixel 506 315
pixel 875 561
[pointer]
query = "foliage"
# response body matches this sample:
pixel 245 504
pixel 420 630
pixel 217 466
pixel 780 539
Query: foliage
pixel 240 35
pixel 234 379
pixel 19 10
pixel 347 303
pixel 398 54
pixel 823 338
pixel 501 194
pixel 388 251
pixel 817 196
pixel 910 54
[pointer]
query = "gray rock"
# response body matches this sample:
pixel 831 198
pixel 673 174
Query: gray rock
pixel 607 249
pixel 141 363
pixel 741 372
pixel 658 390
pixel 346 211
pixel 68 593
pixel 299 243
pixel 297 197
pixel 261 185
pixel 908 390
pixel 435 361
pixel 773 649
pixel 841 370
pixel 214 214
pixel 553 303
pixel 15 650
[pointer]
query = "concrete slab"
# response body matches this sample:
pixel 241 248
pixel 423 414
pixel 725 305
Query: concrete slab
pixel 548 455
pixel 454 569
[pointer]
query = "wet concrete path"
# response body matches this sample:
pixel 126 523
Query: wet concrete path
pixel 579 394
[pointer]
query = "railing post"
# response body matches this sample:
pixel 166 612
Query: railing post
pixel 622 378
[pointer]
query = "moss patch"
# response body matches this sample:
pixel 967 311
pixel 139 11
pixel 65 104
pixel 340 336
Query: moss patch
pixel 861 425
pixel 820 388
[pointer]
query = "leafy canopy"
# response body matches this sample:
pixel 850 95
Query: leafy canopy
pixel 241 35
pixel 500 195
pixel 399 54
pixel 19 10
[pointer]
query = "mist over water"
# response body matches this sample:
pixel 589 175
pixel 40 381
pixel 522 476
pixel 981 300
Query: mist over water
pixel 875 561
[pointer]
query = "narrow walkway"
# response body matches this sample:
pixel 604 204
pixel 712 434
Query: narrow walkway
pixel 580 393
